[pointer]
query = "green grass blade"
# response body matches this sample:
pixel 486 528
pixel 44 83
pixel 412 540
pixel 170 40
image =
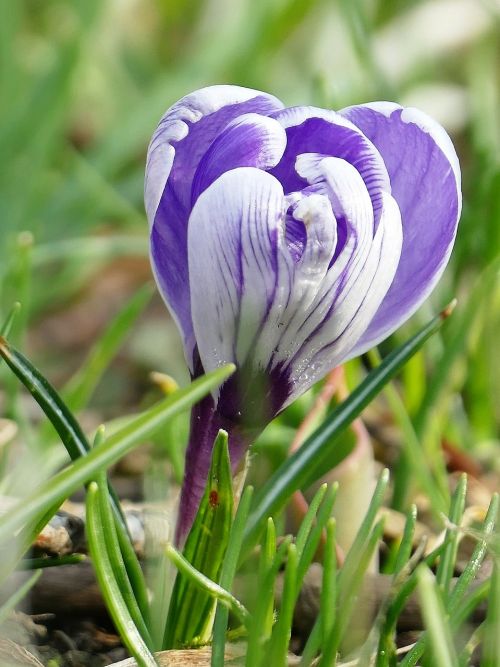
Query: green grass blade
pixel 228 571
pixel 313 537
pixel 328 588
pixel 207 586
pixel 278 649
pixel 405 547
pixel 77 445
pixel 348 588
pixel 491 654
pixel 455 346
pixel 472 568
pixel 447 563
pixel 434 487
pixel 322 448
pixel 56 561
pixel 117 445
pixel 308 521
pixel 110 589
pixel 9 320
pixel 435 619
pixel 116 560
pixel 262 619
pixel 48 399
pixel 192 609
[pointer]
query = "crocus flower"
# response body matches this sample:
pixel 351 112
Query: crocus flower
pixel 287 241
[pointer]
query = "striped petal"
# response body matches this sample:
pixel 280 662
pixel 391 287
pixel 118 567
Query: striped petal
pixel 313 130
pixel 425 180
pixel 232 248
pixel 182 138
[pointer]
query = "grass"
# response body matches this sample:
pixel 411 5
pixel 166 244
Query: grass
pixel 83 84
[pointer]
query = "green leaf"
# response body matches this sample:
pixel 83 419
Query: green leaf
pixel 108 584
pixel 207 586
pixel 436 619
pixel 139 616
pixel 322 447
pixel 48 399
pixel 227 575
pixel 192 609
pixel 60 486
pixel 491 654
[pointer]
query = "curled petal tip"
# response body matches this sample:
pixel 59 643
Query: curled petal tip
pixel 448 310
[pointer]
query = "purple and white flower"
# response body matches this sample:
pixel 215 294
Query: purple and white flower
pixel 287 241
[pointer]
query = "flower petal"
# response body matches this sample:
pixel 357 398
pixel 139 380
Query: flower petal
pixel 425 180
pixel 354 306
pixel 183 136
pixel 316 290
pixel 232 248
pixel 312 130
pixel 250 140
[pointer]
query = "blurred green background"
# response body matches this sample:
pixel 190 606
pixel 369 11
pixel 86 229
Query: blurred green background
pixel 84 82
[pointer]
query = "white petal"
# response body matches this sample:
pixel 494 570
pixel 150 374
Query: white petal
pixel 232 238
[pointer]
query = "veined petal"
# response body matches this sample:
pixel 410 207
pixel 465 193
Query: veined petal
pixel 421 163
pixel 310 302
pixel 250 140
pixel 187 129
pixel 334 340
pixel 312 130
pixel 232 248
pixel 181 139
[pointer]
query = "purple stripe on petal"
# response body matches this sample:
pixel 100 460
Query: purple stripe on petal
pixel 421 163
pixel 311 130
pixel 232 243
pixel 250 140
pixel 180 141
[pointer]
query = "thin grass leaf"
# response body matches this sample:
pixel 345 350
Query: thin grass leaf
pixel 455 346
pixel 116 560
pixel 48 399
pixel 228 571
pixel 491 650
pixel 191 611
pixel 56 561
pixel 77 446
pixel 446 565
pixel 434 486
pixel 142 427
pixel 322 448
pixel 353 556
pixel 278 648
pixel 207 585
pixel 108 585
pixel 18 596
pixel 386 653
pixel 9 320
pixel 262 618
pixel 310 547
pixel 308 520
pixel 472 568
pixel 435 619
pixel 347 595
pixel 328 587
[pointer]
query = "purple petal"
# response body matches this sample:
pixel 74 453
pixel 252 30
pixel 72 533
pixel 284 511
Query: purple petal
pixel 182 138
pixel 250 140
pixel 425 180
pixel 312 130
